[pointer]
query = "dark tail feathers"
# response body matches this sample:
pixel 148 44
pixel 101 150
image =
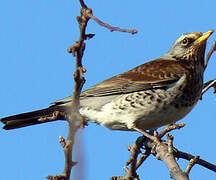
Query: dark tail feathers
pixel 27 119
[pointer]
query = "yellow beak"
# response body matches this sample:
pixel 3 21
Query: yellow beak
pixel 204 37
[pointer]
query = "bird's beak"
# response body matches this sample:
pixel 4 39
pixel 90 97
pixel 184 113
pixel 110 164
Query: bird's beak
pixel 204 37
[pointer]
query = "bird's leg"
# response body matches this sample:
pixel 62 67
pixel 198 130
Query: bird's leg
pixel 146 134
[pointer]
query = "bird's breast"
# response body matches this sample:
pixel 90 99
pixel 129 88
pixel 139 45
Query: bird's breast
pixel 147 109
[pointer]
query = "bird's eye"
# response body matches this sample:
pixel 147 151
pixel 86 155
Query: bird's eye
pixel 185 41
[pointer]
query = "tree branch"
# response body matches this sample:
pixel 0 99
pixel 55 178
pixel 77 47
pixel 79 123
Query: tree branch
pixel 209 54
pixel 112 28
pixel 133 161
pixel 89 14
pixel 164 151
pixel 191 163
pixel 75 120
pixel 208 85
pixel 187 156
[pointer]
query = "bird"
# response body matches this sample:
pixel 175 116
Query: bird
pixel 151 95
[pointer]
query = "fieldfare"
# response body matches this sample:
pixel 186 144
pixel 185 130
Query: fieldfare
pixel 149 96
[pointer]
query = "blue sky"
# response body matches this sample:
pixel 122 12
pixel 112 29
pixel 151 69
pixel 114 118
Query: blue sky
pixel 37 70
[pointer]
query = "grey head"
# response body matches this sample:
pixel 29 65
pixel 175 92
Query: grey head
pixel 188 45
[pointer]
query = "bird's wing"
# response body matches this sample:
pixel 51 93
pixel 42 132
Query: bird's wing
pixel 159 73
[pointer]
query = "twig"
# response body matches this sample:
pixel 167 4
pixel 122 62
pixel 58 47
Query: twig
pixel 187 156
pixel 75 120
pixel 135 150
pixel 170 128
pixel 89 14
pixel 211 83
pixel 208 85
pixel 131 172
pixel 163 151
pixel 144 156
pixel 213 48
pixel 180 154
pixel 112 28
pixel 191 163
pixel 83 5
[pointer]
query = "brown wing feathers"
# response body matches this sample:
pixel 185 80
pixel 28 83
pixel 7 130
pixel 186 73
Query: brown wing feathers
pixel 158 73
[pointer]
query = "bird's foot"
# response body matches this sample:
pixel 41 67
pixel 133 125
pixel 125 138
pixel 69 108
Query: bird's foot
pixel 154 137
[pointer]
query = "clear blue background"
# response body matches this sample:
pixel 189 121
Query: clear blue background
pixel 35 70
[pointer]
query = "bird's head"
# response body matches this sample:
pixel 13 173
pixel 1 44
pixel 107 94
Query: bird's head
pixel 190 45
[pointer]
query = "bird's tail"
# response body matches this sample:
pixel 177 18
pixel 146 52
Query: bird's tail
pixel 29 118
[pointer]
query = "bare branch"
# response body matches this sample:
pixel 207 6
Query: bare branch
pixel 89 14
pixel 135 150
pixel 179 154
pixel 112 28
pixel 213 48
pixel 75 120
pixel 161 149
pixel 170 128
pixel 191 163
pixel 208 85
pixel 165 153
pixel 144 156
pixel 83 5
pixel 187 156
pixel 131 172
